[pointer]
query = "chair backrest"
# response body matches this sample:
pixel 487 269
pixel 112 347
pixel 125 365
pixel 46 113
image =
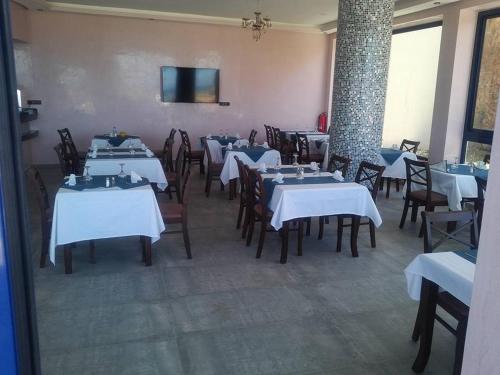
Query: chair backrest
pixel 178 159
pixel 167 155
pixel 303 147
pixel 242 173
pixel 486 159
pixel 279 142
pixel 481 188
pixel 257 193
pixel 172 135
pixel 186 188
pixel 65 135
pixel 338 163
pixel 62 161
pixel 269 135
pixel 410 146
pixel 251 138
pixel 370 175
pixel 208 153
pixel 71 157
pixel 418 174
pixel 185 140
pixel 462 219
pixel 35 180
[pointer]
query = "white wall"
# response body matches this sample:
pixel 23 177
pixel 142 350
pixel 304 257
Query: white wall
pixel 411 86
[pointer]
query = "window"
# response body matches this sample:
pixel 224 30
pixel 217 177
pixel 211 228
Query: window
pixel 483 89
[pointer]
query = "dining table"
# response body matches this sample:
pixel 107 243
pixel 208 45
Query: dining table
pixel 431 273
pixel 393 161
pixel 457 182
pixel 88 210
pixel 124 141
pixel 218 144
pixel 317 194
pixel 109 161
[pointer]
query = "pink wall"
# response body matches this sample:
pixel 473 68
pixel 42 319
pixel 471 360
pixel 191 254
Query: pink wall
pixel 93 72
pixel 20 23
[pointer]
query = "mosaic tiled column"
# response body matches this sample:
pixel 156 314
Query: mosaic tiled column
pixel 364 34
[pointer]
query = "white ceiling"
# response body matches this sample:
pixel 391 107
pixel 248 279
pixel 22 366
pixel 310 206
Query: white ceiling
pixel 307 15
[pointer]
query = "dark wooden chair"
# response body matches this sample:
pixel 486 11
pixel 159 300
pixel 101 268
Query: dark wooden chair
pixel 191 156
pixel 338 163
pixel 35 180
pixel 169 143
pixel 305 156
pixel 454 307
pixel 73 161
pixel 213 171
pixel 282 145
pixel 65 136
pixel 243 210
pixel 269 135
pixel 174 176
pixel 479 202
pixel 65 168
pixel 486 159
pixel 406 146
pixel 368 175
pixel 177 213
pixel 418 174
pixel 251 138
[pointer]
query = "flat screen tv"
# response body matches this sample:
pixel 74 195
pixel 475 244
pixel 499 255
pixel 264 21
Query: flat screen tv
pixel 189 85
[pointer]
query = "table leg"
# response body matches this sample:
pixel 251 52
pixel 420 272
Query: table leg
pixel 428 301
pixel 284 242
pixel 232 188
pixel 354 235
pixel 68 267
pixel 147 251
pixel 300 237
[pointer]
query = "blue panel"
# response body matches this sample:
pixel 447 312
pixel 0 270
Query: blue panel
pixel 7 340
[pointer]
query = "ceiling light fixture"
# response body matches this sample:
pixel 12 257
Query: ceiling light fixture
pixel 258 26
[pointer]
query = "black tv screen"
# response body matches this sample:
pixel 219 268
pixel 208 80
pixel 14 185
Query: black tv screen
pixel 189 85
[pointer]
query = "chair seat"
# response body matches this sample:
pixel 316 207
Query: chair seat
pixel 171 212
pixel 197 154
pixel 258 210
pixel 453 306
pixel 171 177
pixel 436 198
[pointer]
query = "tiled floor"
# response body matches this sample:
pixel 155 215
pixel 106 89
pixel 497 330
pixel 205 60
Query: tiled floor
pixel 225 312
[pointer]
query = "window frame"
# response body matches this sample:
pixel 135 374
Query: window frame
pixel 470 134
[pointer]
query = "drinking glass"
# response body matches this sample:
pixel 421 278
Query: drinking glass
pixel 122 174
pixel 130 149
pixel 88 177
pixel 278 164
pixel 300 173
pixel 394 146
pixel 295 159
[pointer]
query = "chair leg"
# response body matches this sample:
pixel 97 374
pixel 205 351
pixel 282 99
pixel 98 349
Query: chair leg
pixel 184 160
pixel 405 212
pixel 245 222
pixel 148 261
pixel 340 230
pixel 262 237
pixel 169 191
pixel 68 266
pixel 372 235
pixel 300 237
pixel 414 212
pixel 45 246
pixel 208 185
pixel 321 227
pixel 308 226
pixel 251 225
pixel 460 345
pixel 388 187
pixel 240 215
pixel 397 184
pixel 185 234
pixel 284 242
pixel 354 235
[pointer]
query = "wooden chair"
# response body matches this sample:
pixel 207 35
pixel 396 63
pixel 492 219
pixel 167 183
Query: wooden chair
pixel 269 135
pixel 65 169
pixel 71 157
pixel 65 136
pixel 479 202
pixel 35 180
pixel 338 163
pixel 177 213
pixel 191 156
pixel 169 141
pixel 368 175
pixel 418 174
pixel 406 146
pixel 281 145
pixel 486 159
pixel 454 307
pixel 174 176
pixel 213 171
pixel 304 154
pixel 243 210
pixel 251 138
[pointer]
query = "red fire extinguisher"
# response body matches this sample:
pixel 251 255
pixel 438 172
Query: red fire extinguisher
pixel 322 122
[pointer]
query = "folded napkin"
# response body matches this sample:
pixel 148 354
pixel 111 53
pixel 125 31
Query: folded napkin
pixel 209 136
pixel 278 178
pixel 313 165
pixel 238 135
pixel 134 177
pixel 143 147
pixel 149 153
pixel 337 175
pixel 229 146
pixel 95 148
pixel 93 154
pixel 265 145
pixel 262 167
pixel 71 180
pixel 241 143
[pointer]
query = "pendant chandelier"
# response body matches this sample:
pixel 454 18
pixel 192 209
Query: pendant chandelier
pixel 258 26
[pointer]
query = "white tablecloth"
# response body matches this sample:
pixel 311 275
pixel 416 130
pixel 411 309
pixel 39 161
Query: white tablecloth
pixel 446 269
pixel 398 168
pixel 216 150
pixel 146 167
pixel 104 213
pixel 230 169
pixel 454 186
pixel 311 135
pixel 103 143
pixel 294 201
